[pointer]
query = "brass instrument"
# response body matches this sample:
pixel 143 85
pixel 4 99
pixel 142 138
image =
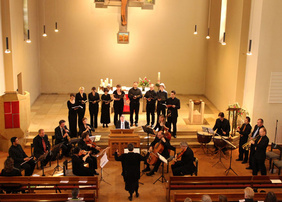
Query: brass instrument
pixel 247 145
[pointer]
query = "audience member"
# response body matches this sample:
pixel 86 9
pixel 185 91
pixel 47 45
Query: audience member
pixel 206 198
pixel 270 197
pixel 249 194
pixel 222 198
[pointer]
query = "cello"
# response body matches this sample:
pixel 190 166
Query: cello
pixel 153 157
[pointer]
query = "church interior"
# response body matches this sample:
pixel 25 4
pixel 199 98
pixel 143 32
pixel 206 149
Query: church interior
pixel 213 55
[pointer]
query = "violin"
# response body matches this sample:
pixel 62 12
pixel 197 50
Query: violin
pixel 93 144
pixel 179 155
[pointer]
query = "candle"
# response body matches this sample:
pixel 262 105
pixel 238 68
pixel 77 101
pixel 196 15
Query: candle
pixel 101 82
pixel 159 77
pixel 111 82
pixel 106 82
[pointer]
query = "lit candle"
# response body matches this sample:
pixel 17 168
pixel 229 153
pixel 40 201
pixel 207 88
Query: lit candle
pixel 159 77
pixel 106 82
pixel 101 82
pixel 111 82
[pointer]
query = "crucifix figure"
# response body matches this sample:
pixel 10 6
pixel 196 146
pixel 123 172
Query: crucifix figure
pixel 123 12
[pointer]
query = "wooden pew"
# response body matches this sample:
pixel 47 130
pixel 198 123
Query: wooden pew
pixel 30 184
pixel 43 197
pixel 220 182
pixel 180 197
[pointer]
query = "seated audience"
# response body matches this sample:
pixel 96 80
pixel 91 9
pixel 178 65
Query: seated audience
pixel 85 127
pixel 78 160
pixel 249 194
pixel 206 198
pixel 75 195
pixel 184 166
pixel 62 136
pixel 21 160
pixel 188 200
pixel 270 197
pixel 42 146
pixel 222 198
pixel 9 169
pixel 122 123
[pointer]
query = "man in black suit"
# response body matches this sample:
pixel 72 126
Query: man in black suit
pixel 134 94
pixel 186 165
pixel 244 132
pixel 254 134
pixel 62 135
pixel 78 160
pixel 173 104
pixel 130 169
pixel 122 123
pixel 151 97
pixel 42 146
pixel 165 142
pixel 260 145
pixel 17 153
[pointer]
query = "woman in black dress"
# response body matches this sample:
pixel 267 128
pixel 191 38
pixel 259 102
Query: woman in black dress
pixel 80 99
pixel 72 115
pixel 118 103
pixel 105 115
pixel 93 99
pixel 9 169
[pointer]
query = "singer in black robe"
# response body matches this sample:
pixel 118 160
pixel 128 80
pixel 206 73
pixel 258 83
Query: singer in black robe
pixel 105 115
pixel 93 99
pixel 118 103
pixel 80 99
pixel 72 116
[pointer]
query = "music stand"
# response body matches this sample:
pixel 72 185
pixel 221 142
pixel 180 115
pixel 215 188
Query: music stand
pixel 41 159
pixel 162 177
pixel 149 131
pixel 103 161
pixel 56 151
pixel 230 168
pixel 220 151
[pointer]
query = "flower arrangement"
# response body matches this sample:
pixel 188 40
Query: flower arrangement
pixel 242 112
pixel 144 82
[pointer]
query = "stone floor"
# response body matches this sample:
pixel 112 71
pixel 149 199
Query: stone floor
pixel 48 109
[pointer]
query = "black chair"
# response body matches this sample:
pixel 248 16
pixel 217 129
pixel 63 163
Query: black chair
pixel 278 163
pixel 272 155
pixel 53 140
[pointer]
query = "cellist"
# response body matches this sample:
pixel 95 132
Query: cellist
pixel 159 139
pixel 185 164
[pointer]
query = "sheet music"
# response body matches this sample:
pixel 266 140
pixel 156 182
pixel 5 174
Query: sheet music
pixel 276 181
pixel 135 150
pixel 104 160
pixel 163 159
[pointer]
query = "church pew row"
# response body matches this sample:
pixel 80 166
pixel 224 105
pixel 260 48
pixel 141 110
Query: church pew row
pixel 44 197
pixel 221 182
pixel 180 197
pixel 31 184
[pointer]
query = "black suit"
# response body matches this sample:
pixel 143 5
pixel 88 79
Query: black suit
pixel 160 106
pixel 130 170
pixel 186 165
pixel 151 106
pixel 134 103
pixel 93 109
pixel 39 150
pixel 260 145
pixel 80 112
pixel 18 155
pixel 79 169
pixel 66 146
pixel 172 113
pixel 126 125
pixel 91 159
pixel 254 134
pixel 245 130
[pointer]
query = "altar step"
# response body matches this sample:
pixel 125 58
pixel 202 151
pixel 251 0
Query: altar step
pixel 183 136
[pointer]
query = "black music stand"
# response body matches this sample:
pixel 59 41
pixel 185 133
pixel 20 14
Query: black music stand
pixel 149 131
pixel 230 168
pixel 162 177
pixel 41 159
pixel 56 151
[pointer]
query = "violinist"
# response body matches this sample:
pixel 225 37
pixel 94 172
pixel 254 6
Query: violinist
pixel 159 140
pixel 62 134
pixel 184 161
pixel 78 160
pixel 85 127
pixel 87 150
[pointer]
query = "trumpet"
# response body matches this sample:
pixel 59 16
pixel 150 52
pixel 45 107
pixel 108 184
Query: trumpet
pixel 247 145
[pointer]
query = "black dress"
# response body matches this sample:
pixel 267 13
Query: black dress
pixel 118 105
pixel 80 111
pixel 93 109
pixel 105 115
pixel 72 119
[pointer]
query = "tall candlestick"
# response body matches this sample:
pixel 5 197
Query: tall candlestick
pixel 159 77
pixel 106 82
